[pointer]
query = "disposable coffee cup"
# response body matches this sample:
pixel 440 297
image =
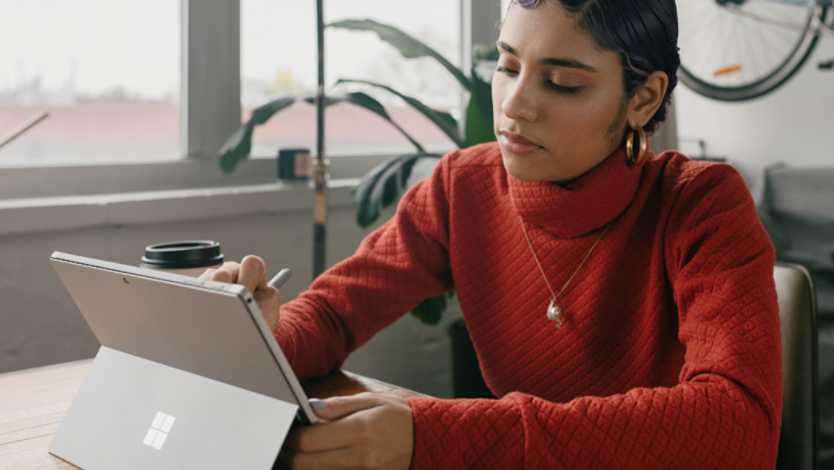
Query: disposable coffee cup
pixel 295 165
pixel 189 257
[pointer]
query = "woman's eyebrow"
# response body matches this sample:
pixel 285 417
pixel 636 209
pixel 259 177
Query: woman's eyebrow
pixel 568 63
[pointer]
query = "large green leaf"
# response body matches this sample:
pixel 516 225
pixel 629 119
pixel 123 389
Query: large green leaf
pixel 422 170
pixel 430 311
pixel 479 128
pixel 263 113
pixel 409 47
pixel 239 144
pixel 366 101
pixel 382 186
pixel 368 195
pixel 479 122
pixel 443 120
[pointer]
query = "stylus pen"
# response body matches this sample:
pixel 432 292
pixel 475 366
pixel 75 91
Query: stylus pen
pixel 280 279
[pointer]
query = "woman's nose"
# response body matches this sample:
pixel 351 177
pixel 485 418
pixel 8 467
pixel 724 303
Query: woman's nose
pixel 520 103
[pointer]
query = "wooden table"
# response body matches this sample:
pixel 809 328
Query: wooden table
pixel 33 402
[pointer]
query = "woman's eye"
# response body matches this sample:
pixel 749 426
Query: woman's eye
pixel 564 89
pixel 506 70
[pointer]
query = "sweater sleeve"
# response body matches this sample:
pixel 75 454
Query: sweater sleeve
pixel 395 268
pixel 724 413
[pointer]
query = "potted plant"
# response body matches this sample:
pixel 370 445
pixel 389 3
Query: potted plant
pixel 384 184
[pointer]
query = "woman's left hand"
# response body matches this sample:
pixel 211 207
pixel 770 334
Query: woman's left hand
pixel 365 431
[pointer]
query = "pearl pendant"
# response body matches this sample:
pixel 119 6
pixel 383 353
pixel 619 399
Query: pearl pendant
pixel 555 314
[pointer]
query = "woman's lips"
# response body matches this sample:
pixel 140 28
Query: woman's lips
pixel 518 144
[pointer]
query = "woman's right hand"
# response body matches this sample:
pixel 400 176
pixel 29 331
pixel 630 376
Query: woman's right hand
pixel 250 273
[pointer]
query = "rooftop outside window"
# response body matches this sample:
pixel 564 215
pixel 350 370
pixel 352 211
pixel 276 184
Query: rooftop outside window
pixel 106 71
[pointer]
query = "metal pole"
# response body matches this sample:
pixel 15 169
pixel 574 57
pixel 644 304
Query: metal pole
pixel 30 123
pixel 321 177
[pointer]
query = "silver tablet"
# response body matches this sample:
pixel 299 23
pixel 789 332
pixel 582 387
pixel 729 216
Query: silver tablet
pixel 196 356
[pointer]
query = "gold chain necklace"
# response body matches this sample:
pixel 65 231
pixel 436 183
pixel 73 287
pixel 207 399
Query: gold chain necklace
pixel 554 312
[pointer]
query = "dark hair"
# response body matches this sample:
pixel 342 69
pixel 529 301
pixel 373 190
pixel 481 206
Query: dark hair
pixel 644 33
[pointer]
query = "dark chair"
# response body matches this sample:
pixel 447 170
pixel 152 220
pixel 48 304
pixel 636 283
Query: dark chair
pixel 799 441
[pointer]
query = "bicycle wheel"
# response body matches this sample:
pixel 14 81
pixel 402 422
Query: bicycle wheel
pixel 735 50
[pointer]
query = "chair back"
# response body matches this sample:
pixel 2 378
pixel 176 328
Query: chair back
pixel 799 439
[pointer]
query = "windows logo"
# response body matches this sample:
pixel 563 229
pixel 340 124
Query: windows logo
pixel 159 430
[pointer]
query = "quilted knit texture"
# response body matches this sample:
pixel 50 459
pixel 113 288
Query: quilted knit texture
pixel 670 356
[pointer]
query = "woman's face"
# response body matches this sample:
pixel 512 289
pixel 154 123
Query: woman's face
pixel 558 100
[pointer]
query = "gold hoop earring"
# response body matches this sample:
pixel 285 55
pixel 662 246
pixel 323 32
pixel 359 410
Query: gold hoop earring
pixel 644 146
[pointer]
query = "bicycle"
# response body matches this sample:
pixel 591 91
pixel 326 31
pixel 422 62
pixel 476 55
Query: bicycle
pixel 736 50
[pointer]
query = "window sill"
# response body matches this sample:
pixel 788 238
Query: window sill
pixel 21 216
pixel 57 181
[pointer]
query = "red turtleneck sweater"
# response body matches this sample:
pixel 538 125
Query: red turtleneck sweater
pixel 670 355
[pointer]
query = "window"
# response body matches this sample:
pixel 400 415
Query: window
pixel 106 71
pixel 278 58
pixel 158 85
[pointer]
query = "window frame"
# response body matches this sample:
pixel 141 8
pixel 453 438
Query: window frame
pixel 210 47
pixel 210 60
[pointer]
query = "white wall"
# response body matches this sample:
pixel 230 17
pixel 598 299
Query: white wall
pixel 794 124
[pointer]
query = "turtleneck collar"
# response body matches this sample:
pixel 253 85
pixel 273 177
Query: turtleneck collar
pixel 583 205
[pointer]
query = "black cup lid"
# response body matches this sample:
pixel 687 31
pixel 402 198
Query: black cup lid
pixel 182 255
pixel 292 151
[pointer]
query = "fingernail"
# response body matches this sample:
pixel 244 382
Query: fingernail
pixel 318 404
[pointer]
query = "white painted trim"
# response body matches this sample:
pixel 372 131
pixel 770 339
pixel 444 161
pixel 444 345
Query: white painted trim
pixel 210 100
pixel 479 26
pixel 24 216
pixel 131 177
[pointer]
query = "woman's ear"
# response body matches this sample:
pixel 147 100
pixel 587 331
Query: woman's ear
pixel 645 103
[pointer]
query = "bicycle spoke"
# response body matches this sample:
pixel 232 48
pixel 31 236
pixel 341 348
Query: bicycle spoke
pixel 707 49
pixel 705 52
pixel 763 41
pixel 739 44
pixel 755 55
pixel 746 67
pixel 783 24
pixel 751 46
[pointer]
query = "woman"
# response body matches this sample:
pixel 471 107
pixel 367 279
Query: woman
pixel 622 304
